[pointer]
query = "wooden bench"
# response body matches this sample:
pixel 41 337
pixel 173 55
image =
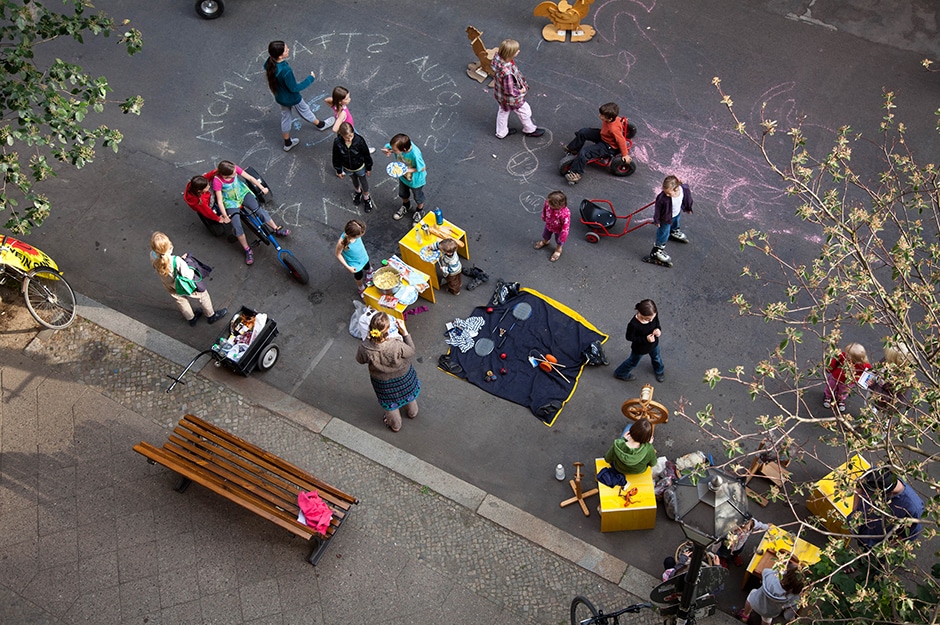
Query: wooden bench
pixel 249 476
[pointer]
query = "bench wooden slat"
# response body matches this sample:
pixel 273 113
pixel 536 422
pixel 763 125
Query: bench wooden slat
pixel 248 476
pixel 216 485
pixel 274 460
pixel 305 481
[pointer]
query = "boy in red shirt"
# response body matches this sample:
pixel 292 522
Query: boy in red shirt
pixel 609 139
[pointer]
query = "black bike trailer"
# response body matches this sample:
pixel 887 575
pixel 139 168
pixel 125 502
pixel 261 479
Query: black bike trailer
pixel 245 345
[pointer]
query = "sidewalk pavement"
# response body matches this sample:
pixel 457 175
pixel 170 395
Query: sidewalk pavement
pixel 92 533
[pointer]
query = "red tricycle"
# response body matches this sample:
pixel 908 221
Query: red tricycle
pixel 600 220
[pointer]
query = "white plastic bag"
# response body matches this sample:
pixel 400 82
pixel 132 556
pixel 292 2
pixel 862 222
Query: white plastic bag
pixel 354 326
pixel 659 467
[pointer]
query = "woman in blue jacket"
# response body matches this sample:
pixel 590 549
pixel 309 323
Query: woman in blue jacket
pixel 287 90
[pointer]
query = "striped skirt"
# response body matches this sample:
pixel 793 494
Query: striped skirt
pixel 395 393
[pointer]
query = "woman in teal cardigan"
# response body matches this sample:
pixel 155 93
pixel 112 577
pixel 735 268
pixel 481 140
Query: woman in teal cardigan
pixel 633 451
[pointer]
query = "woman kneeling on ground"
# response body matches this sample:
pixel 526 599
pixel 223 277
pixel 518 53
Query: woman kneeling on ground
pixel 393 377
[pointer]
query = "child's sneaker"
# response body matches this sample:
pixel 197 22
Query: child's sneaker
pixel 249 257
pixel 282 232
pixel 416 217
pixel 368 205
pixel 841 406
pixel 827 403
pixel 400 213
pixel 572 177
pixel 357 198
pixel 326 123
pixel 293 142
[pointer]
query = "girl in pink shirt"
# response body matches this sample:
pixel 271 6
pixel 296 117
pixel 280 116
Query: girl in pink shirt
pixel 557 220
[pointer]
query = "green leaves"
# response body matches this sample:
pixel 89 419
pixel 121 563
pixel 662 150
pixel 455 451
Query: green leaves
pixel 44 109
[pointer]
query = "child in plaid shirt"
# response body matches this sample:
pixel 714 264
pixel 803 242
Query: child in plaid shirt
pixel 510 89
pixel 450 264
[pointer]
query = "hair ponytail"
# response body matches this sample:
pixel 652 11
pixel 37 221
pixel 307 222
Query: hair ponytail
pixel 275 50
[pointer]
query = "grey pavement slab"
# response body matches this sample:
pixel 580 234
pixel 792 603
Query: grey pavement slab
pixel 92 533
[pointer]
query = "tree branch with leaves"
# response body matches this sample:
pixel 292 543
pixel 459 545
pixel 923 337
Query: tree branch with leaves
pixel 44 109
pixel 877 274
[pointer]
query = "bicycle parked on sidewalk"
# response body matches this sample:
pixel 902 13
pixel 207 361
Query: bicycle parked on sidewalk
pixel 583 612
pixel 49 298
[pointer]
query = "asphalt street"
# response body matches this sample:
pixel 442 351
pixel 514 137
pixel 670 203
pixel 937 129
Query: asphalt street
pixel 404 64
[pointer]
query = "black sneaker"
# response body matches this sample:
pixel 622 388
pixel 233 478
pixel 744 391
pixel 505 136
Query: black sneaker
pixel 196 317
pixel 218 315
pixel 400 213
pixel 416 217
pixel 368 205
pixel 357 198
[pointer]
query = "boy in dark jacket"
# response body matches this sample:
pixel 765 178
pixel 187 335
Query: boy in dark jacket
pixel 351 156
pixel 608 140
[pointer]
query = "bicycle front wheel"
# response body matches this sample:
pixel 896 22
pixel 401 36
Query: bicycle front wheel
pixel 49 298
pixel 582 611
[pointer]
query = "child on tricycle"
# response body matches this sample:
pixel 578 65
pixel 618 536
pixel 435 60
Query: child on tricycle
pixel 609 146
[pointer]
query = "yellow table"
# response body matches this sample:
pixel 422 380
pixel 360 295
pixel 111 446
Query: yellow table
pixel 832 507
pixel 410 249
pixel 639 515
pixel 778 543
pixel 372 295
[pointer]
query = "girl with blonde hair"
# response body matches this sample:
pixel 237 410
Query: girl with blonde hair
pixel 167 267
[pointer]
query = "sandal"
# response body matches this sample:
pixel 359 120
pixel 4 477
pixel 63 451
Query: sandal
pixel 282 232
pixel 572 177
pixel 555 256
pixel 541 244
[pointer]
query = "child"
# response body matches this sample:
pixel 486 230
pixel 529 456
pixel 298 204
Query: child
pixel 632 452
pixel 351 156
pixel 643 332
pixel 670 203
pixel 231 193
pixel 775 594
pixel 412 182
pixel 888 390
pixel 351 253
pixel 510 89
pixel 557 220
pixel 609 139
pixel 450 264
pixel 167 266
pixel 838 381
pixel 287 90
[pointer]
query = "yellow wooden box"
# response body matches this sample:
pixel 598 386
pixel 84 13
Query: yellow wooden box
pixel 639 515
pixel 832 507
pixel 410 250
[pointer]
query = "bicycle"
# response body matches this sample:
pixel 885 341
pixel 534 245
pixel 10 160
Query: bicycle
pixel 49 298
pixel 583 612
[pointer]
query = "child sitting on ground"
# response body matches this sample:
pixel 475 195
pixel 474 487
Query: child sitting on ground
pixel 450 264
pixel 610 138
pixel 843 372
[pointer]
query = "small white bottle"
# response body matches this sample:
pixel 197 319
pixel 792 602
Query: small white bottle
pixel 418 236
pixel 560 473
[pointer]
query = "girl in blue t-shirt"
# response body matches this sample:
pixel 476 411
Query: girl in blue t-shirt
pixel 352 254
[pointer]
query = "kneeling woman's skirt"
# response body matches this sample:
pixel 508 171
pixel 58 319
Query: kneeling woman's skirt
pixel 397 392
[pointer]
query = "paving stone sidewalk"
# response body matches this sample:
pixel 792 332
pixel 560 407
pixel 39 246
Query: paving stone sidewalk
pixel 91 533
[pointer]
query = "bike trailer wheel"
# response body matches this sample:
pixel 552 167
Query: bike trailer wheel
pixel 268 357
pixel 582 611
pixel 210 9
pixel 263 198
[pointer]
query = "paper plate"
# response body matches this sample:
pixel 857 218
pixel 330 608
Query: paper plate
pixel 407 295
pixel 396 169
pixel 429 255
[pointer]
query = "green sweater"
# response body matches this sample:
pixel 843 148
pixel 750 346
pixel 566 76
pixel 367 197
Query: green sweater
pixel 630 461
